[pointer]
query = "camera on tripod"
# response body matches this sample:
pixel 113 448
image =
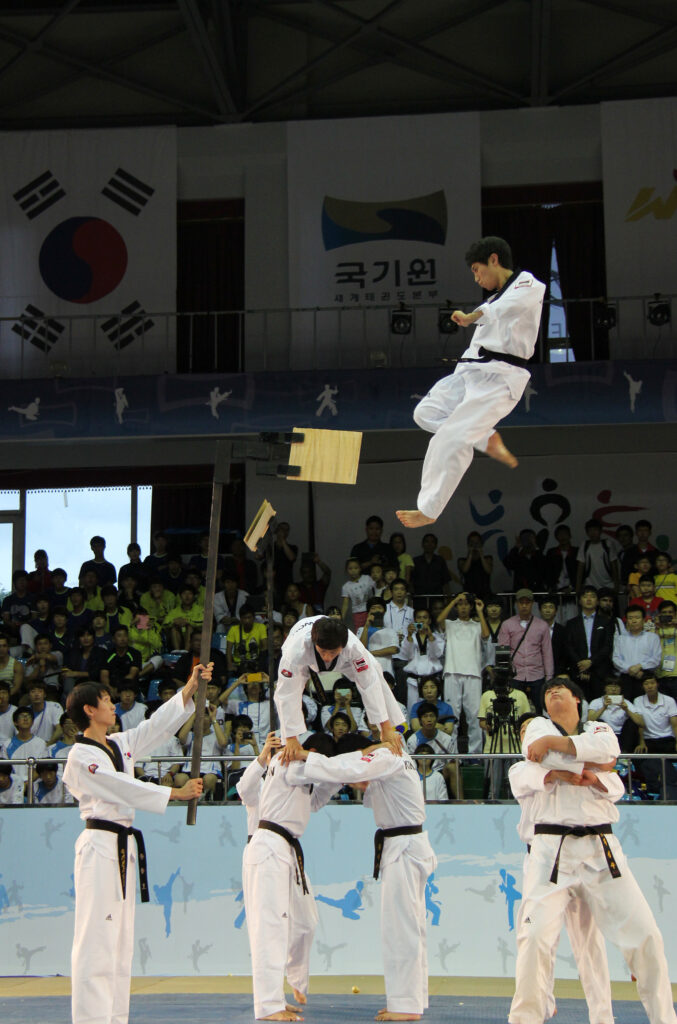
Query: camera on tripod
pixel 248 653
pixel 502 711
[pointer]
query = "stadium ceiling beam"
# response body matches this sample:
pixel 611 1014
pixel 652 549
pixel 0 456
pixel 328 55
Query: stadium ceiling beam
pixel 36 41
pixel 659 43
pixel 98 71
pixel 434 66
pixel 641 12
pixel 540 48
pixel 211 60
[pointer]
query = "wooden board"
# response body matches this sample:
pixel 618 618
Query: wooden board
pixel 259 524
pixel 327 456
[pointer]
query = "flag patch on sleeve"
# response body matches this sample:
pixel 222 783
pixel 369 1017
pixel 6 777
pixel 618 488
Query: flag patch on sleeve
pixel 286 672
pixel 361 665
pixel 93 768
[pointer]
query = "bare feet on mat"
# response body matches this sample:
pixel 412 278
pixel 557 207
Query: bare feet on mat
pixel 497 450
pixel 299 996
pixel 288 1014
pixel 291 1007
pixel 390 1015
pixel 413 518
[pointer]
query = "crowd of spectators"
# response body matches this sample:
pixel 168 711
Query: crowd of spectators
pixel 603 614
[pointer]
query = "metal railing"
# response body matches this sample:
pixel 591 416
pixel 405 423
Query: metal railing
pixel 483 761
pixel 350 335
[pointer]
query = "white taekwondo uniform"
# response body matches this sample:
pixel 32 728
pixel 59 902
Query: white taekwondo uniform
pixel 103 943
pixel 395 796
pixel 462 410
pixel 597 873
pixel 354 662
pixel 587 942
pixel 281 916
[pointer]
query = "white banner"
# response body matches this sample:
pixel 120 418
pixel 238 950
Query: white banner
pixel 381 211
pixel 639 153
pixel 88 222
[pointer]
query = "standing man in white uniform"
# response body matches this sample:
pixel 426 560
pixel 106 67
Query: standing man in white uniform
pixel 325 644
pixel 278 900
pixel 100 775
pixel 404 857
pixel 587 942
pixel 573 851
pixel 462 410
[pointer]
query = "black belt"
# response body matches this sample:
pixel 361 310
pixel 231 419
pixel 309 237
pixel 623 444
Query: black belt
pixel 486 356
pixel 272 826
pixel 380 836
pixel 578 831
pixel 122 832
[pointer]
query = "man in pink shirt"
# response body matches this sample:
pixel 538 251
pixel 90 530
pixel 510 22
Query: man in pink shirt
pixel 529 641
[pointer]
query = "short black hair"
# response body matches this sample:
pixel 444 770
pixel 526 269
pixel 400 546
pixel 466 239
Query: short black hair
pixel 23 709
pixel 338 715
pixel 643 522
pixel 424 748
pixel 84 693
pixel 646 578
pixel 526 717
pixel 667 604
pixel 108 590
pixel 551 599
pixel 376 600
pixel 329 634
pixel 351 742
pixel 480 251
pixel 6 768
pixel 635 608
pixel 564 681
pixel 243 720
pixel 374 519
pixel 246 609
pixel 430 679
pixel 98 540
pixel 426 707
pixel 46 766
pixel 593 522
pixel 320 742
pixel 589 589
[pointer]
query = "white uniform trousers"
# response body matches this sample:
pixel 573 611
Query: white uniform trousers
pixel 464 692
pixel 461 410
pixel 103 942
pixel 281 922
pixel 407 863
pixel 620 911
pixel 589 949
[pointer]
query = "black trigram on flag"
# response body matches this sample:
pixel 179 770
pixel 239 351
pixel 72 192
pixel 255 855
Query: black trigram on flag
pixel 39 330
pixel 131 324
pixel 127 191
pixel 38 195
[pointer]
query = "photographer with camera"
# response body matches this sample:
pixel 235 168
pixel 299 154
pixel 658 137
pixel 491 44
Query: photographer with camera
pixel 343 696
pixel 468 651
pixel 613 709
pixel 381 641
pixel 245 643
pixel 500 709
pixel 422 652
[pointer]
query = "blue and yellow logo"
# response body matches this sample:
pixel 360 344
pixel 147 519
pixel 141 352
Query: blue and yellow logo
pixel 421 219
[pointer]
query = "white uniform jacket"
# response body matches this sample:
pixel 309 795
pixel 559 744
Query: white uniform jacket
pixel 355 662
pixel 249 788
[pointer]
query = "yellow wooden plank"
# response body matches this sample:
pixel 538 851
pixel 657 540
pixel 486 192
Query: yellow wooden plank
pixel 327 456
pixel 259 524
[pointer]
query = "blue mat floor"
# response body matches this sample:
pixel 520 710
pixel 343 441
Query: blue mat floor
pixel 323 1009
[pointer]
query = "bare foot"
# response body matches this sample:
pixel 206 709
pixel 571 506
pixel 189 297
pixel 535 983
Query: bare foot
pixel 497 450
pixel 287 1014
pixel 299 996
pixel 413 518
pixel 390 1015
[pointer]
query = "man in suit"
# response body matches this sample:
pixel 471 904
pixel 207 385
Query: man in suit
pixel 560 570
pixel 589 642
pixel 548 610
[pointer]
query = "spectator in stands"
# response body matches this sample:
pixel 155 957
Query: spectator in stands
pixel 607 606
pixel 494 615
pixel 83 661
pixel 529 641
pixel 422 652
pixel 354 594
pixel 499 736
pixel 68 732
pixel 589 645
pixel 156 564
pixel 24 744
pixel 381 641
pixel 642 567
pixel 228 603
pixel 467 652
pixel 289 619
pixel 657 735
pixel 122 665
pixel 292 599
pixel 40 580
pixel 665 578
pixel 48 789
pixel 17 607
pixel 129 595
pixel 378 579
pixel 476 567
pixel 166 773
pixel 526 563
pixel 548 610
pixel 102 637
pixel 104 571
pixel 146 638
pixel 134 568
pixel 597 561
pixel 58 592
pixel 7 709
pixel 184 666
pixel 344 700
pixel 245 643
pixel 255 705
pixel 214 744
pixel 642 546
pixel 284 557
pixel 78 614
pixel 44 666
pixel 666 631
pixel 93 599
pixel 434 786
pixel 561 563
pixel 158 601
pixel 116 614
pixel 177 575
pixel 613 709
pixel 647 599
pixel 243 743
pixel 182 620
pixel 339 725
pixel 130 710
pixel 11 669
pixel 61 636
pixel 430 575
pixel 430 692
pixel 440 742
pixel 635 653
pixel 389 577
pixel 405 563
pixel 40 624
pixel 243 566
pixel 373 548
pixel 46 713
pixel 398 612
pixel 199 561
pixel 11 786
pixel 311 590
